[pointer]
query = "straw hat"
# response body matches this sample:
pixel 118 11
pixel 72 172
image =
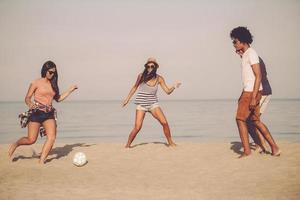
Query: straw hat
pixel 152 60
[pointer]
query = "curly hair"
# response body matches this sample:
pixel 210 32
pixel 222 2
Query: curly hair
pixel 242 34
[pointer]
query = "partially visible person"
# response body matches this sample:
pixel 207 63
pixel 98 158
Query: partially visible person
pixel 44 90
pixel 258 138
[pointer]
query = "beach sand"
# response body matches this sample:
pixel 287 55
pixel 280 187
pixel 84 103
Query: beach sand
pixel 151 171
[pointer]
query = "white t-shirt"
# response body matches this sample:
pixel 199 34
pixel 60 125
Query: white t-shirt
pixel 249 58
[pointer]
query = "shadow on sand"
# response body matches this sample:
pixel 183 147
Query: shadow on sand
pixel 237 147
pixel 34 156
pixel 145 143
pixel 58 151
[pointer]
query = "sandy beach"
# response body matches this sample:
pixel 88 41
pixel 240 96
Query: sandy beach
pixel 151 171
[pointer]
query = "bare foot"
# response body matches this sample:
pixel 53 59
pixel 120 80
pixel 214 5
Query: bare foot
pixel 263 152
pixel 256 147
pixel 260 149
pixel 277 152
pixel 244 155
pixel 128 146
pixel 41 162
pixel 172 144
pixel 12 149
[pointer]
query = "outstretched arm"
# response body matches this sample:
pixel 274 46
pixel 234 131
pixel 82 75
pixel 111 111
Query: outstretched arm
pixel 64 95
pixel 164 86
pixel 132 91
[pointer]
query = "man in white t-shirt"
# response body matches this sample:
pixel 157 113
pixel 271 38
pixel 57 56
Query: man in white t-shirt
pixel 248 104
pixel 257 137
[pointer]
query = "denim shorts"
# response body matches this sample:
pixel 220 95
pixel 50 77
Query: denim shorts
pixel 41 116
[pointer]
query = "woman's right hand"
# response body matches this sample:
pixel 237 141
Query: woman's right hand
pixel 125 103
pixel 32 106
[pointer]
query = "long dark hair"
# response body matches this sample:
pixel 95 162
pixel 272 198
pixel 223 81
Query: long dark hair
pixel 50 65
pixel 145 76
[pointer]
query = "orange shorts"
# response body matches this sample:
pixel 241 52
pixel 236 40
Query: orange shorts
pixel 243 111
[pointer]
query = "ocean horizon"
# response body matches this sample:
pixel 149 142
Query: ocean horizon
pixel 191 120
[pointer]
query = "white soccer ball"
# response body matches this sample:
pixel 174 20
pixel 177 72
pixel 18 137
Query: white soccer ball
pixel 79 159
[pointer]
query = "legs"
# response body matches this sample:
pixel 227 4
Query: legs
pixel 267 135
pixel 159 115
pixel 257 137
pixel 33 130
pixel 243 131
pixel 50 127
pixel 261 141
pixel 263 130
pixel 139 118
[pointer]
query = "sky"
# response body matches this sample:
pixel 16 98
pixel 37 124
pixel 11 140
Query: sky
pixel 101 46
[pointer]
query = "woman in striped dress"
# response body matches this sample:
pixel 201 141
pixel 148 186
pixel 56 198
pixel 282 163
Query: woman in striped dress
pixel 146 99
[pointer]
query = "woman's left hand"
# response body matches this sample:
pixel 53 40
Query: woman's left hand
pixel 177 84
pixel 72 88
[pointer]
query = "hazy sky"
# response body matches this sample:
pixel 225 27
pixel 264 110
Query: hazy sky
pixel 102 45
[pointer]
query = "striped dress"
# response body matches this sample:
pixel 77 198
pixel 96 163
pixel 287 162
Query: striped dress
pixel 146 95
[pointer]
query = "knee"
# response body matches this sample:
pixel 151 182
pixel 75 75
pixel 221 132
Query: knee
pixel 31 140
pixel 239 121
pixel 257 123
pixel 164 123
pixel 51 138
pixel 137 127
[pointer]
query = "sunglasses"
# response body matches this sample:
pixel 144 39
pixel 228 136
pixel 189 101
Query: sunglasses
pixel 150 66
pixel 51 72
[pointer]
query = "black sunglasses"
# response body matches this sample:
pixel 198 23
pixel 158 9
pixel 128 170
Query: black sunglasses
pixel 150 66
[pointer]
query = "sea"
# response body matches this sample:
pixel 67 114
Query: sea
pixel 189 120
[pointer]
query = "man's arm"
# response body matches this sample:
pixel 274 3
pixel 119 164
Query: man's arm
pixel 257 74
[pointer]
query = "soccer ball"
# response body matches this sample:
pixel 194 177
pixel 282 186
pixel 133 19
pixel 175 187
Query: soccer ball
pixel 79 159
